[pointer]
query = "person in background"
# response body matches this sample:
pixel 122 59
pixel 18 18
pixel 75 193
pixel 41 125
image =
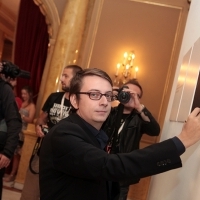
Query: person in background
pixel 125 126
pixel 73 162
pixel 56 107
pixel 27 112
pixel 18 100
pixel 10 125
pixel 13 83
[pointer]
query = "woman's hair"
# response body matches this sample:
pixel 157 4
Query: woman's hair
pixel 30 92
pixel 77 81
pixel 135 82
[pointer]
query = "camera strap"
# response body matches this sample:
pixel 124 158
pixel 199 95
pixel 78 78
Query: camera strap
pixel 35 151
pixel 113 138
pixel 36 148
pixel 61 106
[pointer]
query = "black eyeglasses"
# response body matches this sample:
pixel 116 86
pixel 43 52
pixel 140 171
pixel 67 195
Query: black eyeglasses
pixel 98 95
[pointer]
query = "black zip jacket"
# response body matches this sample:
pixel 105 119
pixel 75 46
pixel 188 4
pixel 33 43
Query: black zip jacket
pixel 132 131
pixel 9 112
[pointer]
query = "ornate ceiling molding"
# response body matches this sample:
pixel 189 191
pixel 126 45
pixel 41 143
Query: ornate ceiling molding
pixel 49 10
pixel 7 21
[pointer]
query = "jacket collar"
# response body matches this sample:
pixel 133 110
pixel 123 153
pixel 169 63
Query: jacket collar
pixel 90 134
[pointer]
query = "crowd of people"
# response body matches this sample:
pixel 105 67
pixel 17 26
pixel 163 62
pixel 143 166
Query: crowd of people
pixel 91 149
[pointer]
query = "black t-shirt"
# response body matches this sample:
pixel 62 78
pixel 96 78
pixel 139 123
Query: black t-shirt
pixel 52 106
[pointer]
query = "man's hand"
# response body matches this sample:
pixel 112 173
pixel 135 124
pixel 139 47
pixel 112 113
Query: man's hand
pixel 190 133
pixel 38 130
pixel 138 106
pixel 135 100
pixel 115 90
pixel 4 161
pixel 41 121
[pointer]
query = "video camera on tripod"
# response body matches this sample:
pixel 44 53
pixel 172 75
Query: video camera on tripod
pixel 13 71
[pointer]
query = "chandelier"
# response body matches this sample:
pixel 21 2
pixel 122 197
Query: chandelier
pixel 124 70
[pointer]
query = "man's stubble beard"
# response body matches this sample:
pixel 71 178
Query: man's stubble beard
pixel 65 89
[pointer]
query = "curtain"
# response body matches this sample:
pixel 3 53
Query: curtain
pixel 31 45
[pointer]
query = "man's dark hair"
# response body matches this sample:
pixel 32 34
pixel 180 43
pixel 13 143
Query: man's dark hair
pixel 77 80
pixel 75 68
pixel 135 82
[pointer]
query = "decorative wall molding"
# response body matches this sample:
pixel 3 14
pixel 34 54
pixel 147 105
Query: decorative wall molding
pixel 7 22
pixel 49 10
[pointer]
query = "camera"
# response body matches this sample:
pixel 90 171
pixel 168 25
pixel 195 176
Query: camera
pixel 11 70
pixel 123 96
pixel 45 130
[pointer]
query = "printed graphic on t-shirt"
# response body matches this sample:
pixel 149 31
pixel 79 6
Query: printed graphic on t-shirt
pixel 55 113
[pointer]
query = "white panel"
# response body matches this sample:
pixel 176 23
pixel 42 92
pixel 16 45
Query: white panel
pixel 180 86
pixel 190 83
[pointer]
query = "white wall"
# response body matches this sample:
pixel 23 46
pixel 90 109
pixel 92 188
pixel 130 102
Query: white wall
pixel 181 183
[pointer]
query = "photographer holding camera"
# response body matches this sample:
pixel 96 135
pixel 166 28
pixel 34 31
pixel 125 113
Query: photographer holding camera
pixel 10 119
pixel 125 126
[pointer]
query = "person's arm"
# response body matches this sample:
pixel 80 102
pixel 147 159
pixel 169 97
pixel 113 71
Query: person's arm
pixel 135 103
pixel 41 121
pixel 1 66
pixel 190 133
pixel 43 118
pixel 14 125
pixel 140 107
pixel 74 154
pixel 150 127
pixel 30 118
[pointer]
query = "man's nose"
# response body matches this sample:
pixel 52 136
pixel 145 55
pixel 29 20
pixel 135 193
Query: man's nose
pixel 103 100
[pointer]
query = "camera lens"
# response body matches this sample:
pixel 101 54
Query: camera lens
pixel 123 97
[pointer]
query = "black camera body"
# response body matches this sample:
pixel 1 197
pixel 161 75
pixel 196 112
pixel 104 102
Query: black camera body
pixel 45 130
pixel 123 96
pixel 11 70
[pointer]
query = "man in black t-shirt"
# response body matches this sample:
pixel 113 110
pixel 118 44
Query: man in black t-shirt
pixel 52 107
pixel 56 107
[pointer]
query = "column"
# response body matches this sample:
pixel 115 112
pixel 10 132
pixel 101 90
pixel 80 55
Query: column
pixel 68 43
pixel 1 43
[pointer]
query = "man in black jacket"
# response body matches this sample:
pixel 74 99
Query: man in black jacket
pixel 73 163
pixel 10 126
pixel 55 108
pixel 125 126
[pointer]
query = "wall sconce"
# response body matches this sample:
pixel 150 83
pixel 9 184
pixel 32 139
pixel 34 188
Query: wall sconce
pixel 124 69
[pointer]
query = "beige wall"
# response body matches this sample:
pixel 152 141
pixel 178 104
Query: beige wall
pixel 153 30
pixel 182 183
pixel 7 31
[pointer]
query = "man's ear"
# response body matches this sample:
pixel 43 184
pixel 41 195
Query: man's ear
pixel 74 101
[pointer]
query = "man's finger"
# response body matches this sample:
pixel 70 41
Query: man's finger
pixel 195 112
